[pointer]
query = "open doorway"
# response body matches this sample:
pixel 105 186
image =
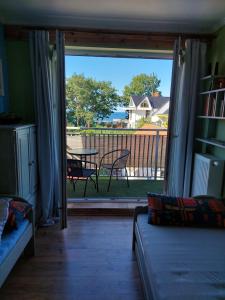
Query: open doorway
pixel 130 112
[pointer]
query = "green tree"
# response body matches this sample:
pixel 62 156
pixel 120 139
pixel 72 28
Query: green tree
pixel 89 99
pixel 141 85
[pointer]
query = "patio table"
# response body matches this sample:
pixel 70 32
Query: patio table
pixel 83 152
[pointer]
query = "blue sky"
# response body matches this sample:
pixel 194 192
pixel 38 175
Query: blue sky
pixel 120 70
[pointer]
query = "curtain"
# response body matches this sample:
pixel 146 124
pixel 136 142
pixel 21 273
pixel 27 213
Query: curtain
pixel 188 67
pixel 61 153
pixel 47 66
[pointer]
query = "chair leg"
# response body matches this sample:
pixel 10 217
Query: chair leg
pixel 97 181
pixel 93 181
pixel 127 178
pixel 85 188
pixel 110 177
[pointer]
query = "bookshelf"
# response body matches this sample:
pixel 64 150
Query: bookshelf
pixel 213 142
pixel 211 112
pixel 211 117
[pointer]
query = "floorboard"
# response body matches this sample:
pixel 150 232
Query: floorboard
pixel 91 260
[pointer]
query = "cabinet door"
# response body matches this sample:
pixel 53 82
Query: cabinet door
pixel 23 162
pixel 8 168
pixel 32 160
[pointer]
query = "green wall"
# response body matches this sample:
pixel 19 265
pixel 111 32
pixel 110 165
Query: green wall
pixel 20 80
pixel 217 54
pixel 3 98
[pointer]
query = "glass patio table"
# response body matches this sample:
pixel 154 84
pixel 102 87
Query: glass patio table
pixel 83 152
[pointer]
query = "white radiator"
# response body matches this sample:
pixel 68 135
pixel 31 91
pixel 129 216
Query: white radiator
pixel 207 176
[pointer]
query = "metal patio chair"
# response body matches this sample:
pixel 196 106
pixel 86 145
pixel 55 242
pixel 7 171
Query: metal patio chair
pixel 77 170
pixel 118 162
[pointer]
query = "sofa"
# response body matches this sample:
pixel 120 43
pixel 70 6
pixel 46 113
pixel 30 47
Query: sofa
pixel 14 243
pixel 179 262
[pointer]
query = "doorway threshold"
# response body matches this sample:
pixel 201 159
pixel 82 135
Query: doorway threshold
pixel 108 200
pixel 104 206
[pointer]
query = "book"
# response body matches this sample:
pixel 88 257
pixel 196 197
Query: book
pixel 222 107
pixel 207 106
pixel 214 106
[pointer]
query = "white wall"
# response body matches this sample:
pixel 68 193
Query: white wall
pixel 134 116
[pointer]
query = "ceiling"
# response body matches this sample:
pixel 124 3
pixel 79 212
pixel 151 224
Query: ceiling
pixel 195 16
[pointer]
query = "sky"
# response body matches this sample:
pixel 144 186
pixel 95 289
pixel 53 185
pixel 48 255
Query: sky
pixel 120 71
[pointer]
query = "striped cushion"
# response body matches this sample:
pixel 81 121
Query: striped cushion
pixel 206 212
pixel 4 207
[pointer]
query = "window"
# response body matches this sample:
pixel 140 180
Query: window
pixel 144 104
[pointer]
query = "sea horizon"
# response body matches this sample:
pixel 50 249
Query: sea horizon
pixel 115 115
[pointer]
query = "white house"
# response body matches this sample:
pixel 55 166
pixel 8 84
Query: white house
pixel 145 107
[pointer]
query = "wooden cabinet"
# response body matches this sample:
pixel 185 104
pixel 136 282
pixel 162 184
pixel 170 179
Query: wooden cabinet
pixel 18 166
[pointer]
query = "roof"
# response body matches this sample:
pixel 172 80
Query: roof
pixel 163 110
pixel 159 101
pixel 138 99
pixel 156 101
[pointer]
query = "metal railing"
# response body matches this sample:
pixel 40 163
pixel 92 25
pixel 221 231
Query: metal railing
pixel 147 147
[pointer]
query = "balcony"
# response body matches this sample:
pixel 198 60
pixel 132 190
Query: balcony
pixel 146 164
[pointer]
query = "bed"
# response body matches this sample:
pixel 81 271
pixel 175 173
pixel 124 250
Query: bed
pixel 13 244
pixel 179 262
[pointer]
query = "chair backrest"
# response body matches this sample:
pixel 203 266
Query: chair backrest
pixel 68 155
pixel 74 168
pixel 121 161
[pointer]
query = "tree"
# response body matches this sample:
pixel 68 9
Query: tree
pixel 141 85
pixel 89 100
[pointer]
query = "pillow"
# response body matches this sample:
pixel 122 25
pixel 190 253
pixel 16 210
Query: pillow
pixel 18 211
pixel 201 211
pixel 4 207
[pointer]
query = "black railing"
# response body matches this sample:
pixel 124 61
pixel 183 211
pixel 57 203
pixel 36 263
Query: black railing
pixel 147 147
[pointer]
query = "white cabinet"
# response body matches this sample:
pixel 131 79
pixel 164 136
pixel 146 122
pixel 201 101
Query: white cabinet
pixel 18 171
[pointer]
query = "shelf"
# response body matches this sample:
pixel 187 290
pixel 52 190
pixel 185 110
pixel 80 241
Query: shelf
pixel 211 117
pixel 212 91
pixel 212 77
pixel 213 142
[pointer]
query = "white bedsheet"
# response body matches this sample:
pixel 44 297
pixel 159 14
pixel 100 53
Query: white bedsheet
pixel 184 263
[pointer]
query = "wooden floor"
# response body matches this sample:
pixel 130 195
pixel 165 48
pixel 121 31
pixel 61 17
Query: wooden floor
pixel 92 259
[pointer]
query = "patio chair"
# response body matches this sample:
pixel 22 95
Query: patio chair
pixel 118 159
pixel 77 170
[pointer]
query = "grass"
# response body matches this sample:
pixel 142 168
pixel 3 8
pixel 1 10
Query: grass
pixel 138 188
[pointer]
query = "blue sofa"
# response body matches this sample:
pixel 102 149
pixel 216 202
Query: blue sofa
pixel 14 244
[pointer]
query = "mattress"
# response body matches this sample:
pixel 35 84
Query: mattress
pixel 9 240
pixel 183 263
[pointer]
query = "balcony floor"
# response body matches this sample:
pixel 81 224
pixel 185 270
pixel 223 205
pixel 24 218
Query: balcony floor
pixel 118 189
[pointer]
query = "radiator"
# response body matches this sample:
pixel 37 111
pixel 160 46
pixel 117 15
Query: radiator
pixel 207 176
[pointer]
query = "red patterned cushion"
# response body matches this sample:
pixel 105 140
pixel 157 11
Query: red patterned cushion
pixel 204 211
pixel 18 210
